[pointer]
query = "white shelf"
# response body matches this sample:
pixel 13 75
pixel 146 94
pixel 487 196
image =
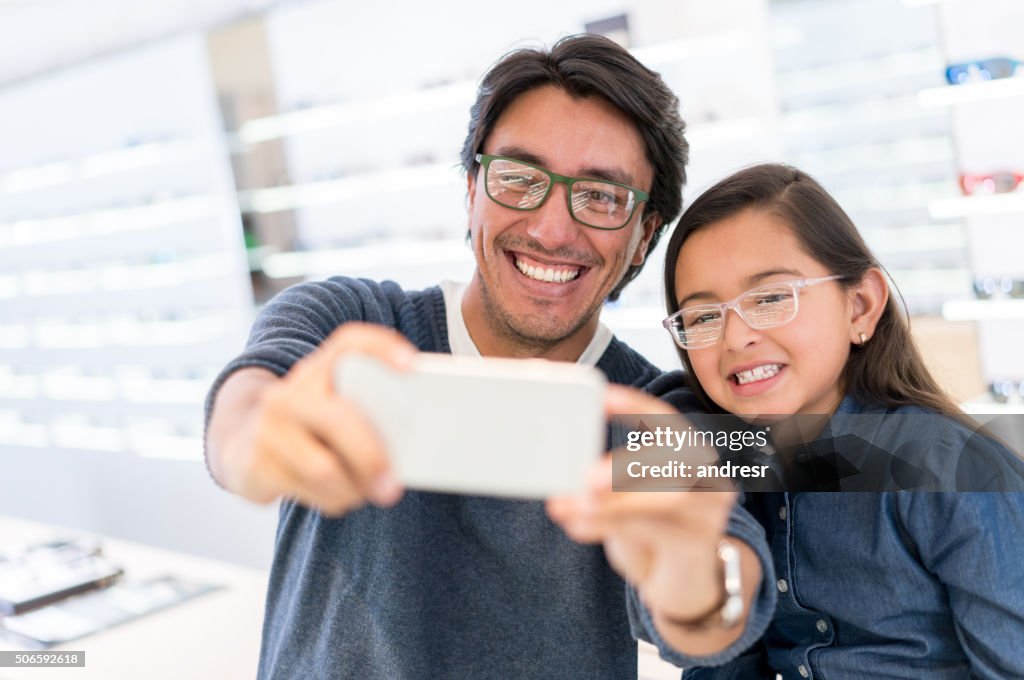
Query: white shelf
pixel 724 42
pixel 848 75
pixel 989 90
pixel 984 405
pixel 725 132
pixel 356 260
pixel 111 221
pixel 454 95
pixel 399 180
pixel 102 164
pixel 349 113
pixel 971 206
pixel 977 310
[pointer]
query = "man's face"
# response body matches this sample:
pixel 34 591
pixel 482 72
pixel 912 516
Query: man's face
pixel 514 250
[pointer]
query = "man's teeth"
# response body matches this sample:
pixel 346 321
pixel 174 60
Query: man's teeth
pixel 757 373
pixel 547 274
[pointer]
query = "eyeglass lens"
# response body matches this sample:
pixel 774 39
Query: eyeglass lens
pixel 524 187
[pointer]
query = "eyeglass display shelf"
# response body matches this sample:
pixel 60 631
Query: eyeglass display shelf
pixel 850 74
pixel 129 158
pixel 106 439
pixel 450 95
pixel 979 310
pixel 359 259
pixel 138 217
pixel 973 206
pixel 986 90
pixel 275 199
pixel 985 405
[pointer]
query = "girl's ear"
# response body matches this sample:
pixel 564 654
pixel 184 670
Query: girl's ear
pixel 867 302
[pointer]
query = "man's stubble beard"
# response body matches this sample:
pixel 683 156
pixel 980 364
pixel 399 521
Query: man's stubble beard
pixel 528 336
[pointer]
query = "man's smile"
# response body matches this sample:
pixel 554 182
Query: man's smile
pixel 545 271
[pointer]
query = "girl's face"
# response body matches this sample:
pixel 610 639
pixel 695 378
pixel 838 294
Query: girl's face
pixel 804 358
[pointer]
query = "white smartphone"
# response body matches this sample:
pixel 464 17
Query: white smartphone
pixel 522 428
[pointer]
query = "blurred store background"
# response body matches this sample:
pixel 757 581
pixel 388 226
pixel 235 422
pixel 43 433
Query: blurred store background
pixel 167 166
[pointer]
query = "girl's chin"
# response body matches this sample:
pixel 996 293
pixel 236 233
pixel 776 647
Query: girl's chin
pixel 759 407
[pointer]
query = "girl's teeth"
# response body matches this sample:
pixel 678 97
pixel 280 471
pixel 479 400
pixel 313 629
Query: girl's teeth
pixel 757 373
pixel 550 275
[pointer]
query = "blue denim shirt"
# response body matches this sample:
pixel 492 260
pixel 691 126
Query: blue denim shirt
pixel 891 585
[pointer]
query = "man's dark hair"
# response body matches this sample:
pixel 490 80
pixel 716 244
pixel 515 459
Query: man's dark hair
pixel 594 66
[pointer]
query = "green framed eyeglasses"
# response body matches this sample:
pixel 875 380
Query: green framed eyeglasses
pixel 597 203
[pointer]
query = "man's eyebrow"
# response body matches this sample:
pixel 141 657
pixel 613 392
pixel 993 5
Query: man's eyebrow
pixel 751 280
pixel 520 153
pixel 610 174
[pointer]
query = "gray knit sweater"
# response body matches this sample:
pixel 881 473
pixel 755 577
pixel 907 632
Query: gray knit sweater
pixel 443 586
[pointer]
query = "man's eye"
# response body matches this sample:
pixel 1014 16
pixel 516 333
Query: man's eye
pixel 517 181
pixel 595 196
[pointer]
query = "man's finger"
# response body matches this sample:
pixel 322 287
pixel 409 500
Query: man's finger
pixel 380 342
pixel 352 438
pixel 314 473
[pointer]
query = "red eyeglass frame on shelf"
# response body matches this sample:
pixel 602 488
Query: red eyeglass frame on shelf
pixel 990 183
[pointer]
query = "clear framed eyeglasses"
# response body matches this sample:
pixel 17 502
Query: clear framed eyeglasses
pixel 768 306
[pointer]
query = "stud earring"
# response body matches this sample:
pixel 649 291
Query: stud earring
pixel 863 339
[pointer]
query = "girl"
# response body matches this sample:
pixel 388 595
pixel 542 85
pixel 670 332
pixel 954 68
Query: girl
pixel 779 307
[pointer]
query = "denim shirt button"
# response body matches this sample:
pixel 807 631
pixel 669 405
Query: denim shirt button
pixel 822 626
pixel 782 513
pixel 803 671
pixel 782 585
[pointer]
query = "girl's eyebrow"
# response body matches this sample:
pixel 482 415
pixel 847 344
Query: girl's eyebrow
pixel 751 280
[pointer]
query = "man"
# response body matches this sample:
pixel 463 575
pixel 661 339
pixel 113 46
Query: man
pixel 575 161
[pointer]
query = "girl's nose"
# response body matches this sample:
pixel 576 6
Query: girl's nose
pixel 737 335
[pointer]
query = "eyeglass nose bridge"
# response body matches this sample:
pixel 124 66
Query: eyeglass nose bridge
pixel 735 307
pixel 554 179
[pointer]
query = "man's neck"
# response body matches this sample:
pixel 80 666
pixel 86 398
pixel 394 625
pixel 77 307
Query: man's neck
pixel 493 338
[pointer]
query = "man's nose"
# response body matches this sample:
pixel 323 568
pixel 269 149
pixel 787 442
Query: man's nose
pixel 552 225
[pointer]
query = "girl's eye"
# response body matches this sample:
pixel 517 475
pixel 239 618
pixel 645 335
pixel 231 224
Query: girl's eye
pixel 702 318
pixel 773 298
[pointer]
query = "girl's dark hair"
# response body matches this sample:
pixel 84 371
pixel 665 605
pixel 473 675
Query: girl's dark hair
pixel 594 66
pixel 888 369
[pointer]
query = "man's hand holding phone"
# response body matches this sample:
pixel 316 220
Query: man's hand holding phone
pixel 296 437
